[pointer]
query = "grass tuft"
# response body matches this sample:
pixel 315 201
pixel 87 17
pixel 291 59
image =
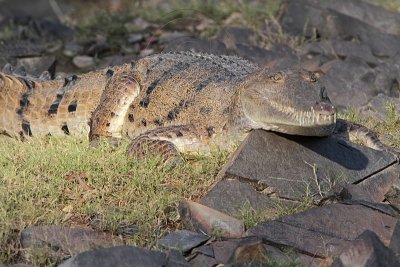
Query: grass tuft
pixel 62 181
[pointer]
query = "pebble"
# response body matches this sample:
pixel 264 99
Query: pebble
pixel 83 62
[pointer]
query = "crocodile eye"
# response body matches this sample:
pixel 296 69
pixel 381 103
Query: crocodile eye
pixel 314 77
pixel 276 77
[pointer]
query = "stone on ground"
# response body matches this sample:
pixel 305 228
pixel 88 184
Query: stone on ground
pixel 65 240
pixel 366 251
pixel 201 218
pixel 122 256
pixel 326 230
pixel 182 240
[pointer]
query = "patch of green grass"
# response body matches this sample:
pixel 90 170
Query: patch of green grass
pixel 7 31
pixel 392 5
pixel 62 181
pixel 251 216
pixel 282 209
pixel 289 261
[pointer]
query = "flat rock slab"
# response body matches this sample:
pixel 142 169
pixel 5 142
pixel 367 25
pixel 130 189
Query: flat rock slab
pixel 224 197
pixel 395 241
pixel 293 167
pixel 250 252
pixel 204 219
pixel 122 256
pixel 182 240
pixel 393 195
pixel 374 189
pixel 238 250
pixel 67 240
pixel 373 15
pixel 303 16
pixel 325 231
pixel 366 251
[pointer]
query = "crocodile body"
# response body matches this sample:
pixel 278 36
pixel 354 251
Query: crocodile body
pixel 173 101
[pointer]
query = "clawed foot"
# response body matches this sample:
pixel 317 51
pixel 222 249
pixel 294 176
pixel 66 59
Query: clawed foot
pixel 144 146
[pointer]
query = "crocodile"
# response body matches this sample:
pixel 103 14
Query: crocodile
pixel 172 103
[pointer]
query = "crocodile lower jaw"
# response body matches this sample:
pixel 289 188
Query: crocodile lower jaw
pixel 312 130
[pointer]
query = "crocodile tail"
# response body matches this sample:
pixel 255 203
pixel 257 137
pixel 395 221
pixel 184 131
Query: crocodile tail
pixel 12 103
pixel 37 107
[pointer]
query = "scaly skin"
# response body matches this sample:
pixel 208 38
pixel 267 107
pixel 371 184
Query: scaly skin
pixel 173 102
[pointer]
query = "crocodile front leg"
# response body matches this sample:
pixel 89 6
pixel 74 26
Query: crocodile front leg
pixel 108 118
pixel 169 142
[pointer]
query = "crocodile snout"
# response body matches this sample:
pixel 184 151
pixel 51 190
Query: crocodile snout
pixel 324 108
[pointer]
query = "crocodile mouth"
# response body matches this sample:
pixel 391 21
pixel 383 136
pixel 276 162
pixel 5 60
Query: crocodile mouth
pixel 312 118
pixel 319 120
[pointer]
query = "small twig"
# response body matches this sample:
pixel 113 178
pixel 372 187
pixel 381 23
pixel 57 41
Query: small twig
pixel 315 169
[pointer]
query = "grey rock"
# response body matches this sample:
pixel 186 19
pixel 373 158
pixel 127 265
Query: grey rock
pixel 196 45
pixel 36 65
pixel 21 71
pixel 350 83
pixel 366 251
pixel 83 62
pixel 72 49
pixel 393 195
pixel 97 47
pixel 279 56
pixel 349 221
pixel 339 49
pixel 115 60
pixel 206 250
pixel 146 52
pixel 249 250
pixel 388 76
pixel 201 218
pixel 373 15
pixel 223 250
pixel 21 8
pixel 135 38
pixel 182 240
pixel 373 188
pixel 22 48
pixel 333 24
pixel 231 36
pixel 202 260
pixel 381 207
pixel 175 259
pixel 8 69
pixel 326 230
pixel 395 241
pixel 293 167
pixel 53 29
pixel 337 25
pixel 377 107
pixel 66 240
pixel 167 37
pixel 310 242
pixel 117 257
pixel 137 25
pixel 224 197
pixel 234 251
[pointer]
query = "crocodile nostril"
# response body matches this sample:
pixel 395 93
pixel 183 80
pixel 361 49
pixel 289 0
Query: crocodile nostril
pixel 324 108
pixel 323 94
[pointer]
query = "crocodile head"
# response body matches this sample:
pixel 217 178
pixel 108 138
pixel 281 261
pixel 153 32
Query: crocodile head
pixel 290 101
